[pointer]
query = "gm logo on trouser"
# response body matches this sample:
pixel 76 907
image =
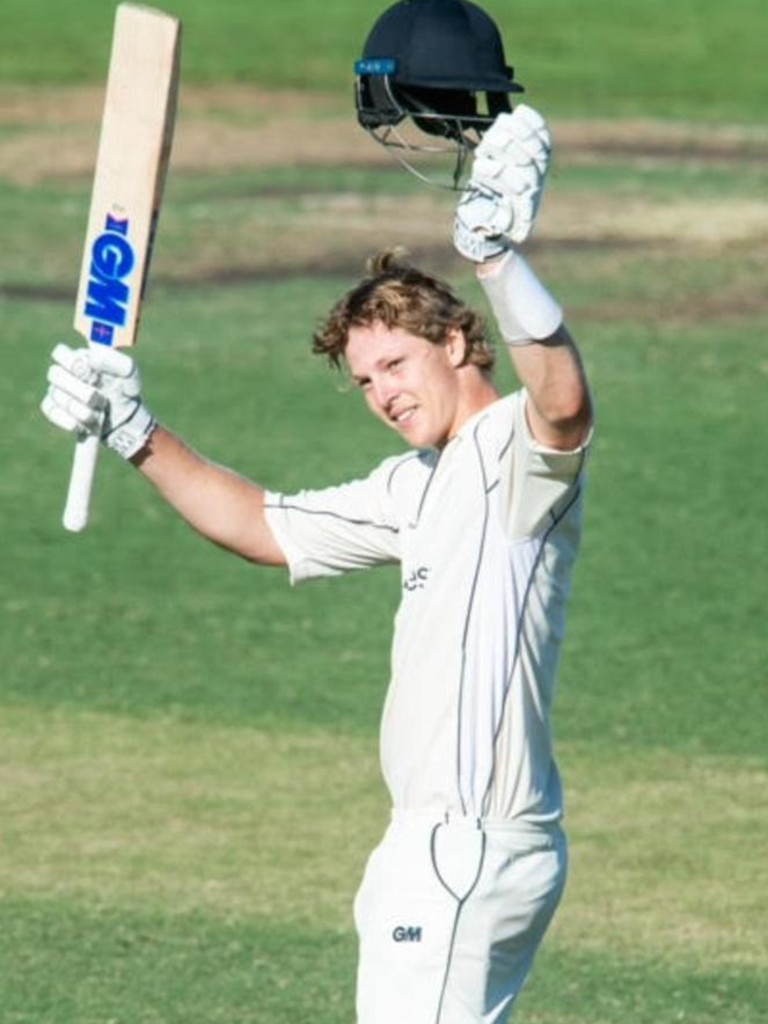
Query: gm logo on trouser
pixel 449 916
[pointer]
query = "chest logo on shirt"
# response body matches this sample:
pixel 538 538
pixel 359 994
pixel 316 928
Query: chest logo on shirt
pixel 407 933
pixel 417 579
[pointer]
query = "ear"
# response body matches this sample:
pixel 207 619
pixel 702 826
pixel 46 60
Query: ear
pixel 456 347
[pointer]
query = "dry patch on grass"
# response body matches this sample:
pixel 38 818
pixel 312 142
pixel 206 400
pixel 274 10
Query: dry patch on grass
pixel 116 812
pixel 666 855
pixel 666 851
pixel 334 231
pixel 682 222
pixel 52 135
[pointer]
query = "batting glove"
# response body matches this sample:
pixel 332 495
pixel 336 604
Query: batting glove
pixel 97 390
pixel 499 205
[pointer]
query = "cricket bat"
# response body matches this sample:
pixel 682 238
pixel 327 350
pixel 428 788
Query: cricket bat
pixel 131 165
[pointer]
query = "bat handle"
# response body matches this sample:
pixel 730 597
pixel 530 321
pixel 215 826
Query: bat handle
pixel 75 516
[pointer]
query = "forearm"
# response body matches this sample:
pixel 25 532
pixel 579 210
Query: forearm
pixel 497 212
pixel 219 504
pixel 542 351
pixel 559 403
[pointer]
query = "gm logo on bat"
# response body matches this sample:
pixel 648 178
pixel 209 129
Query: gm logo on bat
pixel 112 260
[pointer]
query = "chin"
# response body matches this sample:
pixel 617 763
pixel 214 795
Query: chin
pixel 421 439
pixel 419 434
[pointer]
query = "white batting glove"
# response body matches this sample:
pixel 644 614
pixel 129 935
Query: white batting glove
pixel 97 390
pixel 499 205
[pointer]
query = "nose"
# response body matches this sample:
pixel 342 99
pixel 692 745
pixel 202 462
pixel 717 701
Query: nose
pixel 384 390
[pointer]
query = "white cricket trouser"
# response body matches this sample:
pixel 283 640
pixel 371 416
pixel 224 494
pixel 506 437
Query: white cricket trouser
pixel 449 915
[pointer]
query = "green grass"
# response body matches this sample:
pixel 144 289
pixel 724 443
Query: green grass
pixel 674 526
pixel 134 968
pixel 611 986
pixel 182 734
pixel 694 59
pixel 189 783
pixel 665 581
pixel 257 968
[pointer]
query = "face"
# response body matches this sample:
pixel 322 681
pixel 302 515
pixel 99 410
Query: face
pixel 409 383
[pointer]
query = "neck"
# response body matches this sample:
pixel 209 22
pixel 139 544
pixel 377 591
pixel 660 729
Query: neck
pixel 477 391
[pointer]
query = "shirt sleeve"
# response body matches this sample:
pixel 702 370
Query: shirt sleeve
pixel 543 480
pixel 338 529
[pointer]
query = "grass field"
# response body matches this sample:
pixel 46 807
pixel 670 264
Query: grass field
pixel 188 775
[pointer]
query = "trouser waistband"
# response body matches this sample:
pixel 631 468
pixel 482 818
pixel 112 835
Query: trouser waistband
pixel 486 824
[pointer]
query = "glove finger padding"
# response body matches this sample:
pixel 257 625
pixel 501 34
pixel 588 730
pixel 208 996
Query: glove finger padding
pixel 503 195
pixel 505 177
pixel 483 218
pixel 58 410
pixel 482 209
pixel 76 361
pixel 112 362
pixel 74 387
pixel 88 416
pixel 72 402
pixel 519 137
pixel 98 390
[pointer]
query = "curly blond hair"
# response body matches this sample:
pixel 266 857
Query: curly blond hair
pixel 397 294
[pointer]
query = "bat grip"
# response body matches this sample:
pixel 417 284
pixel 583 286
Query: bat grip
pixel 75 516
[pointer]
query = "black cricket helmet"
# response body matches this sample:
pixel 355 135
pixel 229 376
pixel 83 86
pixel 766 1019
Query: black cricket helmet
pixel 439 63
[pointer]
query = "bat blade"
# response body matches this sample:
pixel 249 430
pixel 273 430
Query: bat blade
pixel 131 166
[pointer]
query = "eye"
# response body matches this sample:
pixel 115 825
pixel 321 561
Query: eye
pixel 394 364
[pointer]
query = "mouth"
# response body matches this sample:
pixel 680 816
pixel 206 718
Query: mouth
pixel 402 417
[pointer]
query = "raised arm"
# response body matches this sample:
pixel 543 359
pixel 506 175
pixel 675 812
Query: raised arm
pixel 496 213
pixel 98 390
pixel 223 506
pixel 559 405
pixel 543 353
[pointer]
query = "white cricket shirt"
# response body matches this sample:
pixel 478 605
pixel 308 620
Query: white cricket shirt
pixel 486 532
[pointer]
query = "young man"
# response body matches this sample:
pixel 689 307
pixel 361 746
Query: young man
pixel 483 514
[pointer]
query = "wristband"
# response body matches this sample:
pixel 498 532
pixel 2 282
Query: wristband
pixel 133 434
pixel 524 309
